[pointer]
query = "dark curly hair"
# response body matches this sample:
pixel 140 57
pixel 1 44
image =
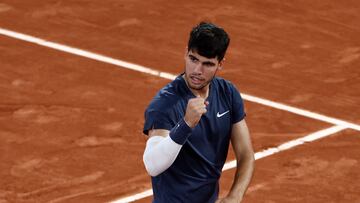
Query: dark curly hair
pixel 209 40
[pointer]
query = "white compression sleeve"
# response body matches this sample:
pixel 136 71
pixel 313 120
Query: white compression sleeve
pixel 160 152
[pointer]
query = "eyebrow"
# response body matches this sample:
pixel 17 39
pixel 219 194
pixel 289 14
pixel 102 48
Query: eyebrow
pixel 204 63
pixel 209 63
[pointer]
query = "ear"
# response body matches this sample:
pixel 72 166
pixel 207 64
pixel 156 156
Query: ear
pixel 221 63
pixel 186 52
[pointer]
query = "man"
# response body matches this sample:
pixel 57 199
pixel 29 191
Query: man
pixel 190 123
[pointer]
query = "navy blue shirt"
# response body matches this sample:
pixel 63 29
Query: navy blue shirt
pixel 194 175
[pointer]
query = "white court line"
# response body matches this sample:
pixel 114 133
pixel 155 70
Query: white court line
pixel 169 76
pixel 290 144
pixel 258 155
pixel 302 112
pixel 84 53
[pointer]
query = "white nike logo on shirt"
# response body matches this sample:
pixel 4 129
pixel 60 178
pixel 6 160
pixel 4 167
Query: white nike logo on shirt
pixel 219 115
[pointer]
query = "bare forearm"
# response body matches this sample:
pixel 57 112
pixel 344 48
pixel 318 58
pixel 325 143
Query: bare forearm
pixel 243 175
pixel 240 140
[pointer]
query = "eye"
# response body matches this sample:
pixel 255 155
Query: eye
pixel 209 65
pixel 193 59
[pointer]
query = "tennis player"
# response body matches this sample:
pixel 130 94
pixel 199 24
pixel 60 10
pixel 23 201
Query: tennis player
pixel 190 123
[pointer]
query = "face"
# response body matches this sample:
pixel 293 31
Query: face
pixel 199 70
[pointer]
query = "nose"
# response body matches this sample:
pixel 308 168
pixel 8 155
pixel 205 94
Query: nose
pixel 198 68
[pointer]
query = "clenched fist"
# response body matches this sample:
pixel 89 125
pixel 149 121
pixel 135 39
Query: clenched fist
pixel 196 107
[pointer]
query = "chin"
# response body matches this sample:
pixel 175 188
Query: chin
pixel 197 87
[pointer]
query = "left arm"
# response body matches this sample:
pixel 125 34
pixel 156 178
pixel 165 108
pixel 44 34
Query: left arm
pixel 240 140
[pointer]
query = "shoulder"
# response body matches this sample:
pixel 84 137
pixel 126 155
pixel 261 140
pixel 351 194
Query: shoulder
pixel 224 85
pixel 167 97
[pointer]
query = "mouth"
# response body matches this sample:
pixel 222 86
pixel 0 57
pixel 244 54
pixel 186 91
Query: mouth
pixel 196 80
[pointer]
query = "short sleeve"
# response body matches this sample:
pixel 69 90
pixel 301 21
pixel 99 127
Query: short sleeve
pixel 238 112
pixel 156 120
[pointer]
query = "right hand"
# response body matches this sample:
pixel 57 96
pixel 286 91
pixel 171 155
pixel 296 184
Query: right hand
pixel 196 107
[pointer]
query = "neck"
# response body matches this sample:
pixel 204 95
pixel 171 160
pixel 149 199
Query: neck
pixel 203 92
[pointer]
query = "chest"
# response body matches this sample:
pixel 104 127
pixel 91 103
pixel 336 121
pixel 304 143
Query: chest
pixel 215 124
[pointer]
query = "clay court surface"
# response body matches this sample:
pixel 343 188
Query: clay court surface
pixel 71 126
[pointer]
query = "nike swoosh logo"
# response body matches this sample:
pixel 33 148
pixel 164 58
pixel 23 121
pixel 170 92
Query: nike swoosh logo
pixel 219 115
